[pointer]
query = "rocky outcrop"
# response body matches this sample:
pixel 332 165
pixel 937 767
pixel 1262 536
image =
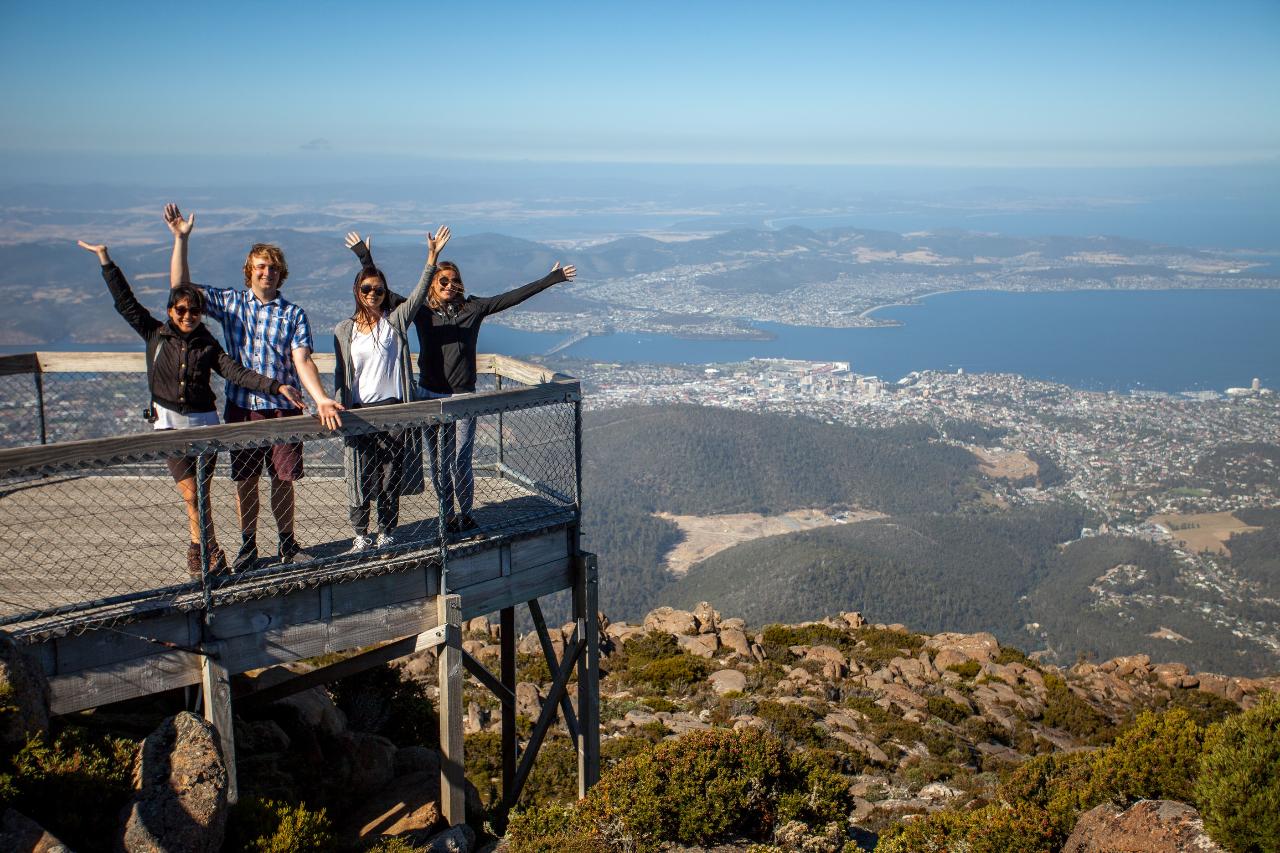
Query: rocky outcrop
pixel 1148 826
pixel 180 790
pixel 19 832
pixel 24 695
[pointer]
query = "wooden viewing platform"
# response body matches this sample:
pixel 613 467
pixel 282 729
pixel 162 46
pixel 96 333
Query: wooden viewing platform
pixel 93 575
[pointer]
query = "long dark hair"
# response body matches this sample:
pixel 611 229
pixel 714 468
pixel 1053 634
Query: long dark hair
pixel 362 313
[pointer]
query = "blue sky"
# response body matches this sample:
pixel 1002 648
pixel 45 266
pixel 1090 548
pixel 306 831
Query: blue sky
pixel 908 83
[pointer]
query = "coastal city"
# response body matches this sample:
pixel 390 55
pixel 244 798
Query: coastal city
pixel 1124 455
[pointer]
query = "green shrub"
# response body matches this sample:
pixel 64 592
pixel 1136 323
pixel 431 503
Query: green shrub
pixel 1156 758
pixel 694 789
pixel 1239 786
pixel 948 710
pixel 268 826
pixel 776 640
pixel 42 779
pixel 674 673
pixel 1204 707
pixel 1063 709
pixel 1058 784
pixel 991 829
pixel 792 722
pixel 654 645
pixel 1009 654
pixel 968 669
pixel 554 776
pixel 880 645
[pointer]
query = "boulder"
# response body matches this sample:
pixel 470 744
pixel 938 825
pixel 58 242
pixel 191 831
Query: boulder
pixel 735 640
pixel 733 623
pixel 458 839
pixel 316 710
pixel 708 618
pixel 952 648
pixel 19 832
pixel 620 632
pixel 411 803
pixel 702 645
pixel 1148 826
pixel 414 759
pixel 671 621
pixel 368 759
pixel 529 644
pixel 180 790
pixel 853 619
pixel 939 791
pixel 727 681
pixel 528 700
pixel 24 708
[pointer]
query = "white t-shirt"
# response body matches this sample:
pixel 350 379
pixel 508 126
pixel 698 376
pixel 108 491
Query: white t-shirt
pixel 375 358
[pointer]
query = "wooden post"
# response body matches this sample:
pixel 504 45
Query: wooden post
pixel 449 659
pixel 510 746
pixel 586 611
pixel 217 710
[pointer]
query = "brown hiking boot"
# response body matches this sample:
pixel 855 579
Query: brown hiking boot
pixel 193 560
pixel 218 561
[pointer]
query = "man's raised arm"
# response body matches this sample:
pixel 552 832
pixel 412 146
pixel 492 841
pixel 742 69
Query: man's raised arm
pixel 179 272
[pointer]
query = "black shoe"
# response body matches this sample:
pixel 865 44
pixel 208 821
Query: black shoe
pixel 452 525
pixel 292 552
pixel 246 559
pixel 466 523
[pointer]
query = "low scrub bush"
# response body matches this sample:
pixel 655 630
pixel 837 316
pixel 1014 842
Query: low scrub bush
pixel 991 829
pixel 675 673
pixel 1063 709
pixel 1239 786
pixel 968 669
pixel 1156 758
pixel 948 710
pixel 269 826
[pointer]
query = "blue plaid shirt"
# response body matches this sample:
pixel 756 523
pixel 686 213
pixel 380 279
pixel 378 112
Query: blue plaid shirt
pixel 261 336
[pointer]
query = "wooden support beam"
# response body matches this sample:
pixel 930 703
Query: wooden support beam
pixel 540 625
pixel 510 744
pixel 586 608
pixel 345 668
pixel 545 718
pixel 486 678
pixel 217 710
pixel 449 659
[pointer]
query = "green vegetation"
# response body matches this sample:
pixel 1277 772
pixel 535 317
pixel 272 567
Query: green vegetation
pixel 934 572
pixel 268 826
pixel 656 662
pixel 948 710
pixel 43 778
pixel 1063 709
pixel 695 789
pixel 1239 786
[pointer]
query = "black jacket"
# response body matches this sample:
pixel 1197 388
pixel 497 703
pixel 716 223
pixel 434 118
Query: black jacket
pixel 447 338
pixel 179 375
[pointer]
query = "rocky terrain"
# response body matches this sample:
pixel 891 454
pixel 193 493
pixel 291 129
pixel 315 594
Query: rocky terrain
pixel 909 725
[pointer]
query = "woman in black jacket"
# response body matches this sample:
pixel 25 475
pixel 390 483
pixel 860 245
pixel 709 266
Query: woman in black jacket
pixel 448 328
pixel 181 355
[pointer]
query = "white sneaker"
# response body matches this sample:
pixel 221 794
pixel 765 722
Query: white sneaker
pixel 360 543
pixel 385 540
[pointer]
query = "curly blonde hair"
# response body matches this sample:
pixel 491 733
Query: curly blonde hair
pixel 271 252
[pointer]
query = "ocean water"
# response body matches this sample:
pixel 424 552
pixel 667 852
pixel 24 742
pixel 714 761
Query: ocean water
pixel 1167 340
pixel 1174 340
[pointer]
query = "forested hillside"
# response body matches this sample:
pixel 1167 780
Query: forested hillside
pixel 945 572
pixel 702 461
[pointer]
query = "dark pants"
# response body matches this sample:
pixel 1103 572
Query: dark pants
pixel 378 457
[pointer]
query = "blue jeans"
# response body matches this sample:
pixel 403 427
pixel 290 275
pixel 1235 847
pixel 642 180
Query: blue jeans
pixel 450 447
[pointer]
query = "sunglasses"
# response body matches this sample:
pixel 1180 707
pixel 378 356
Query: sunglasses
pixel 366 289
pixel 183 311
pixel 446 281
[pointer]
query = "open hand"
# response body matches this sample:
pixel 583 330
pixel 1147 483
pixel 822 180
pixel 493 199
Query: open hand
pixel 291 394
pixel 569 271
pixel 179 226
pixel 436 242
pixel 353 240
pixel 97 248
pixel 327 411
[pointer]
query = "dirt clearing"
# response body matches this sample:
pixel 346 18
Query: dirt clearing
pixel 1203 531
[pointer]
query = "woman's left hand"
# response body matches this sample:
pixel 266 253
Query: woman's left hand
pixel 97 248
pixel 353 240
pixel 291 394
pixel 569 271
pixel 436 242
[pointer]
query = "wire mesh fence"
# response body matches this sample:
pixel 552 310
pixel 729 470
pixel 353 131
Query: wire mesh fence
pixel 160 520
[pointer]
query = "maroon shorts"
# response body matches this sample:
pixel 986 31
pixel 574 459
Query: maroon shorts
pixel 283 461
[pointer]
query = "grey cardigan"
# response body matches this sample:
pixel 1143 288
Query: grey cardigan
pixel 410 481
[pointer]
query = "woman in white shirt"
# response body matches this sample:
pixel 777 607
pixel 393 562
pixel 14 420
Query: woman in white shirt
pixel 373 368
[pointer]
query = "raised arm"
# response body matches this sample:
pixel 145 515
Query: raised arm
pixel 405 311
pixel 126 304
pixel 179 272
pixel 512 298
pixel 363 249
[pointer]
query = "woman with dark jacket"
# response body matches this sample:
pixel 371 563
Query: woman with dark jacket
pixel 181 356
pixel 372 368
pixel 448 328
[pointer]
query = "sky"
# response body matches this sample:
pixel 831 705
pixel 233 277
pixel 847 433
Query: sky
pixel 943 84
